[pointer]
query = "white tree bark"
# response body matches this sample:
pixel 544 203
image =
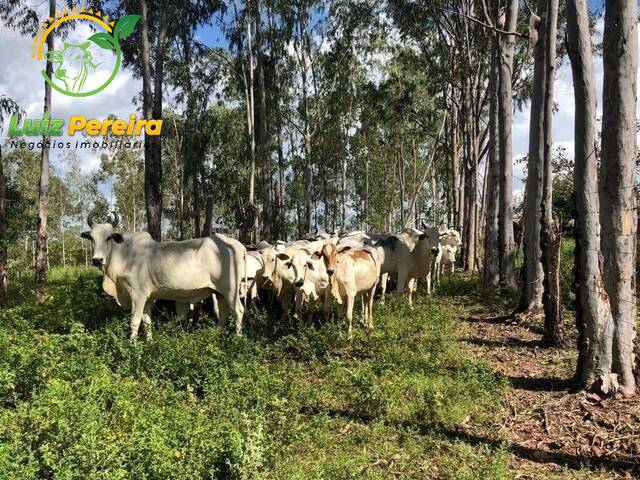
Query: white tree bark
pixel 505 111
pixel 618 214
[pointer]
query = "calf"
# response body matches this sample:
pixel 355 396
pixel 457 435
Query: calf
pixel 296 263
pixel 276 277
pixel 352 271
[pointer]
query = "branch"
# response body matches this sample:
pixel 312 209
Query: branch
pixel 489 27
pixel 428 168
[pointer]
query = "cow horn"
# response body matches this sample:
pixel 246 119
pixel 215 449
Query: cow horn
pixel 115 219
pixel 90 220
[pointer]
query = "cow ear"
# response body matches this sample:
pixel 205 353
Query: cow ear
pixel 283 256
pixel 317 255
pixel 86 235
pixel 345 248
pixel 422 236
pixel 117 237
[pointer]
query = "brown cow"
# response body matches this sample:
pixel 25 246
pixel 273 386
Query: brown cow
pixel 352 271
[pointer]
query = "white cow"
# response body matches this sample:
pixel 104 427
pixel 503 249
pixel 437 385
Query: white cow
pixel 253 280
pixel 451 242
pixel 300 264
pixel 408 254
pixel 138 270
pixel 274 277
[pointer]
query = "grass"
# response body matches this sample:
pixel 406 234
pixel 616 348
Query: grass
pixel 78 401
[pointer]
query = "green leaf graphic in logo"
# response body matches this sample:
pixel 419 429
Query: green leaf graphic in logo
pixel 103 40
pixel 73 64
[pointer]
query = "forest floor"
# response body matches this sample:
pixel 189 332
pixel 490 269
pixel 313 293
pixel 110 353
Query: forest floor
pixel 437 392
pixel 551 432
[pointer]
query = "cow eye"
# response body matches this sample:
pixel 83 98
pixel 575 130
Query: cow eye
pixel 310 265
pixel 288 264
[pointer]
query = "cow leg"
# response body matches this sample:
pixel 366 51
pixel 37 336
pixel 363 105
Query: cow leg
pixel 340 309
pixel 326 307
pixel 146 320
pixel 402 282
pixel 223 310
pixel 137 312
pixel 311 306
pixel 412 286
pixel 182 312
pixel 428 284
pixel 370 306
pixel 216 308
pixel 384 279
pixel 299 302
pixel 350 301
pixel 236 310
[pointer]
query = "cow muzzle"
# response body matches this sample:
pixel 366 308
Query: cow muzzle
pixel 330 271
pixel 299 282
pixel 97 262
pixel 434 250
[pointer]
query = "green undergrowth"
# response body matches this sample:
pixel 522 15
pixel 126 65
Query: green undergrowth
pixel 79 401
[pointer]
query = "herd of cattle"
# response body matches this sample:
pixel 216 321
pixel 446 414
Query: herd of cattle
pixel 329 268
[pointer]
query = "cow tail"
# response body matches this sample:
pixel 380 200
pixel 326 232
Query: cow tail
pixel 246 285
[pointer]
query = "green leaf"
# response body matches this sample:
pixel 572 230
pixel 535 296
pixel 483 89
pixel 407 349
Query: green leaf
pixel 125 26
pixel 103 40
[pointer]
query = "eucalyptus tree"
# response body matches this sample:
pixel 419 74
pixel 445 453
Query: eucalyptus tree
pixel 507 21
pixel 618 215
pixel 550 235
pixel 8 107
pixel 593 311
pixel 492 181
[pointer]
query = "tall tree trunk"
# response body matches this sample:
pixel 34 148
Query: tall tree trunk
pixel 618 215
pixel 550 235
pixel 593 313
pixel 455 161
pixel 207 228
pixel 505 117
pixel 492 180
pixel 343 193
pixel 531 300
pixel 43 185
pixel 3 232
pixel 249 212
pixel 308 161
pixel 152 109
pixel 197 232
pixel 400 166
pixel 264 151
pixel 470 176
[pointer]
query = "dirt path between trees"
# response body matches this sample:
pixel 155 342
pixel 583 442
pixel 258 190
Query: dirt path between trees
pixel 551 432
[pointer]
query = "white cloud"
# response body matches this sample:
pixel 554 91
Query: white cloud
pixel 21 80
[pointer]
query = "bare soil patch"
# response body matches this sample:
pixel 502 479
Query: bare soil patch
pixel 551 431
